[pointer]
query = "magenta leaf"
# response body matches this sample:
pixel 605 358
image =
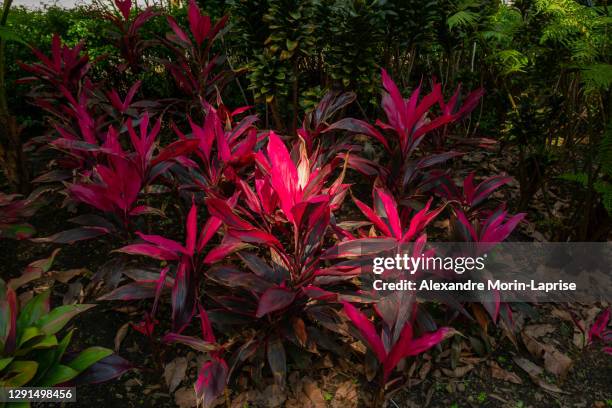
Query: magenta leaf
pixel 367 330
pixel 149 250
pixel 211 381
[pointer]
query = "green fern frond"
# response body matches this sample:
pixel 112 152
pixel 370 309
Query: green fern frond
pixel 597 76
pixel 580 178
pixel 462 18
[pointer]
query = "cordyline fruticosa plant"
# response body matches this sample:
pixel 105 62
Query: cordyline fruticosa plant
pixel 410 172
pixel 264 247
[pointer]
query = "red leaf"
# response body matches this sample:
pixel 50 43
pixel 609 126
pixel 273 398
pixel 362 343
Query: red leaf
pixel 273 299
pixel 211 381
pixel 390 211
pixel 175 149
pixel 283 174
pixel 199 24
pixel 599 326
pixel 207 330
pixel 367 330
pixel 371 215
pixel 124 7
pixel 407 346
pixel 177 30
pixel 163 243
pixel 151 251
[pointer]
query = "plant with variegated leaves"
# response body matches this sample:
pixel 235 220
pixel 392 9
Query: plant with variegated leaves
pixel 185 277
pixel 33 355
pixel 396 341
pixel 409 122
pixel 194 68
pixel 279 230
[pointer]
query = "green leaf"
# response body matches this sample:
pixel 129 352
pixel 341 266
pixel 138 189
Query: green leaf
pixel 37 343
pixel 24 371
pixel 462 18
pixel 58 374
pixel 4 362
pixel 9 35
pixel 35 309
pixel 28 334
pixel 51 357
pixel 292 45
pixel 59 317
pixel 88 357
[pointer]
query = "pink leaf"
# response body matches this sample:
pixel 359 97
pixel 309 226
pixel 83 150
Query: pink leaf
pixel 390 209
pixel 163 243
pixel 371 215
pixel 207 331
pixel 199 24
pixel 151 251
pixel 367 330
pixel 600 325
pixel 211 381
pixel 399 351
pixel 284 175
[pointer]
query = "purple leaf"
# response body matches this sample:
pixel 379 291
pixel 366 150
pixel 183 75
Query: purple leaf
pixel 273 299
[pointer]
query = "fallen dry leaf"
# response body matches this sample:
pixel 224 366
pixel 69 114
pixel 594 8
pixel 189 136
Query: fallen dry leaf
pixel 120 335
pixel 538 330
pixel 346 396
pixel 185 397
pixel 504 375
pixel 66 276
pixel 243 399
pixel 424 370
pixel 535 348
pixel 299 329
pixel 459 371
pixel 562 314
pixel 556 362
pixel 313 392
pixel 579 339
pixel 174 372
pixel 534 372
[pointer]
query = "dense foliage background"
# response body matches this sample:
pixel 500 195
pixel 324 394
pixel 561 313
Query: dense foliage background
pixel 544 64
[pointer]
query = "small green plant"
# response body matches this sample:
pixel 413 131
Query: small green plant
pixel 482 397
pixel 32 353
